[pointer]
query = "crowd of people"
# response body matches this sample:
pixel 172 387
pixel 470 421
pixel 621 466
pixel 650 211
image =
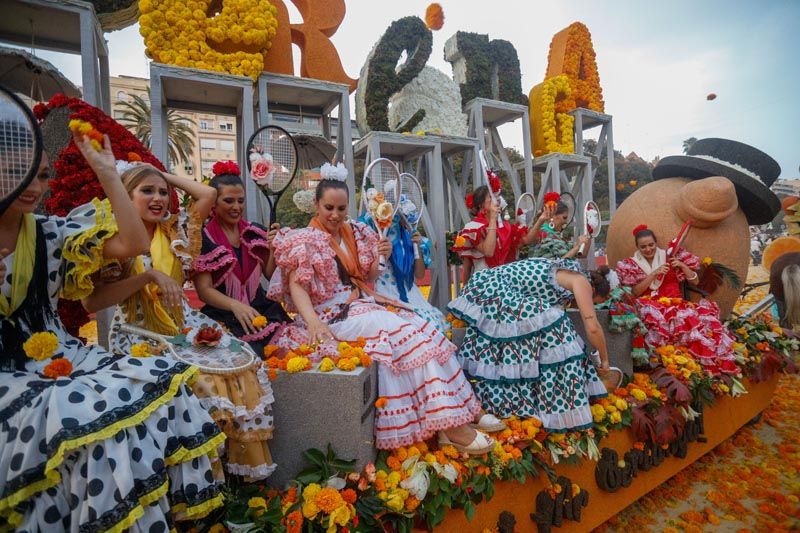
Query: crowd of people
pixel 138 438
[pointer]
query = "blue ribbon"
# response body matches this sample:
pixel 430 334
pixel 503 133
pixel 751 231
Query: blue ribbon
pixel 402 260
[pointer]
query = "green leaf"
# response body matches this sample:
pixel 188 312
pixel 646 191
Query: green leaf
pixel 469 511
pixel 314 456
pixel 235 346
pixel 309 475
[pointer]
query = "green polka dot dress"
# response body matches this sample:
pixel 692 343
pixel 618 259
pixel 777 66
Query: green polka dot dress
pixel 520 349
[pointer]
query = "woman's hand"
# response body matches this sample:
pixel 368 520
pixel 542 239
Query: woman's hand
pixel 674 263
pixel 170 293
pixel 660 271
pixel 273 231
pixel 492 210
pixel 103 162
pixel 319 332
pixel 245 315
pixel 384 247
pixel 416 238
pixel 547 213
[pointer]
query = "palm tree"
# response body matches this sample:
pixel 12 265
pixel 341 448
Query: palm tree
pixel 136 117
pixel 687 144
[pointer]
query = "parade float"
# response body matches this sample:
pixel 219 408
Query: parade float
pixel 665 415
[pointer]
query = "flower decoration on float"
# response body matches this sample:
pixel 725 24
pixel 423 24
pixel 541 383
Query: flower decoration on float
pixel 226 167
pixel 259 322
pixel 262 166
pixel 58 368
pixel 434 17
pixel 304 201
pixel 551 199
pixel 180 32
pixel 207 336
pixel 41 345
pixel 141 350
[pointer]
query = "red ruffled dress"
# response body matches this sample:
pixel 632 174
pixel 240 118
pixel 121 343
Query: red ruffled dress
pixel 508 239
pixel 672 320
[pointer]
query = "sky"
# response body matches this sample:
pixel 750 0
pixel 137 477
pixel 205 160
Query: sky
pixel 657 62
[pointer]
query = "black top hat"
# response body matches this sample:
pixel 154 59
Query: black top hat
pixel 751 171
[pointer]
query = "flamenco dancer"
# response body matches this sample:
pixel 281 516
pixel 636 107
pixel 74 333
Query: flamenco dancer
pixel 548 231
pixel 520 349
pixel 323 275
pixel 398 281
pixel 657 282
pixel 89 441
pixel 481 244
pixel 234 257
pixel 148 292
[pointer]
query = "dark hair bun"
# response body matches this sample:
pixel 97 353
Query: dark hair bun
pixel 603 270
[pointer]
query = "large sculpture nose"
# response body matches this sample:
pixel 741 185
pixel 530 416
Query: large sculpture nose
pixel 707 202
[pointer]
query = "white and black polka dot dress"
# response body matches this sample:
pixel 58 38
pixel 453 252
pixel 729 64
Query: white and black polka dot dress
pixel 120 442
pixel 521 350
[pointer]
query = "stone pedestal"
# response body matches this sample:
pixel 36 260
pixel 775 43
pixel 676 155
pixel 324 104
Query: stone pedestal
pixel 315 408
pixel 618 345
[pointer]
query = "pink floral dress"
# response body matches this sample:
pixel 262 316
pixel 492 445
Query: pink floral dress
pixel 418 375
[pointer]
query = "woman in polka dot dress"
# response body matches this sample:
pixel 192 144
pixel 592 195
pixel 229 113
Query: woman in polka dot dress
pixel 397 280
pixel 521 349
pixel 323 275
pixel 89 441
pixel 148 292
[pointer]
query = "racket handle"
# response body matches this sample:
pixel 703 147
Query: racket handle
pixel 416 251
pixel 581 250
pixel 381 263
pixel 141 332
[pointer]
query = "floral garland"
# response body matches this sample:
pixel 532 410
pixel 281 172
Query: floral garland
pixel 556 125
pixel 419 483
pixel 74 182
pixel 580 65
pixel 347 356
pixel 178 32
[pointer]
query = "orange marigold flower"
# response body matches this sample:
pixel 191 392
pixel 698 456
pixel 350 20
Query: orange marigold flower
pixel 394 463
pixel 290 496
pixel 622 393
pixel 412 503
pixel 294 522
pixel 273 374
pixel 350 496
pixel 365 360
pixel 58 368
pixel 328 500
pixel 381 403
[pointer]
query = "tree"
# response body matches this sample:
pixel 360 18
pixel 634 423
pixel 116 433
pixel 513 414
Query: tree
pixel 687 144
pixel 136 117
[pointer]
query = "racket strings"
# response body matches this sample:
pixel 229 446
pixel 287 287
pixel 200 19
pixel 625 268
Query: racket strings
pixel 526 209
pixel 384 177
pixel 414 203
pixel 280 146
pixel 16 150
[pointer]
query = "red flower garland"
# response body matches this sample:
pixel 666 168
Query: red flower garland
pixel 75 183
pixel 226 167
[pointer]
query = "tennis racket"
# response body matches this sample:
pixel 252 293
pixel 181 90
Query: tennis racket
pixel 572 206
pixel 591 223
pixel 209 359
pixel 526 210
pixel 272 163
pixel 412 204
pixel 380 193
pixel 676 243
pixel 486 171
pixel 20 147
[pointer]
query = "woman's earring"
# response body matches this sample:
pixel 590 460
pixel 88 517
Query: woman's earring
pixel 166 216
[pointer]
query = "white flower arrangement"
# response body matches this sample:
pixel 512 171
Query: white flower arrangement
pixel 440 97
pixel 304 201
pixel 336 173
pixel 123 165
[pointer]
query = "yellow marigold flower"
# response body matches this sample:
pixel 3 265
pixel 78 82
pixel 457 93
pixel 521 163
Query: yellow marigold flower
pixel 141 350
pixel 707 261
pixel 724 388
pixel 621 404
pixel 430 458
pixel 393 480
pixel 327 365
pixel 616 417
pixel 339 517
pixel 450 451
pixel 298 364
pixel 311 491
pixel 259 322
pixel 639 394
pixel 395 502
pixel 344 348
pixel 401 453
pixel 681 360
pixel 347 363
pixel 257 502
pixel 328 499
pixel 664 300
pixel 413 451
pixel 217 528
pixel 598 413
pixel 611 408
pixel 41 346
pixel 310 510
pixel 460 241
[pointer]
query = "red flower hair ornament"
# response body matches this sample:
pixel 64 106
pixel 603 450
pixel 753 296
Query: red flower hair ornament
pixel 469 201
pixel 640 228
pixel 551 198
pixel 226 167
pixel 494 182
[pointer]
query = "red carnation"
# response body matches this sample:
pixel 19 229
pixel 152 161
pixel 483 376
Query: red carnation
pixel 494 182
pixel 40 111
pixel 638 229
pixel 551 198
pixel 469 201
pixel 225 167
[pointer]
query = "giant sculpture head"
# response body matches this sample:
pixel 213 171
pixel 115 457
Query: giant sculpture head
pixel 723 187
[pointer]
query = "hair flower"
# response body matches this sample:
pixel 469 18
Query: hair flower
pixel 336 173
pixel 469 201
pixel 226 167
pixel 551 198
pixel 638 229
